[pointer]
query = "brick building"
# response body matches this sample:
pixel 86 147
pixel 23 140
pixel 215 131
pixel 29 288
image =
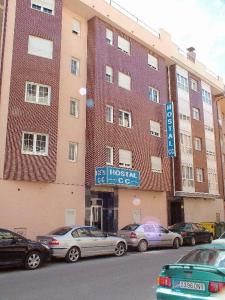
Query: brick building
pixel 82 121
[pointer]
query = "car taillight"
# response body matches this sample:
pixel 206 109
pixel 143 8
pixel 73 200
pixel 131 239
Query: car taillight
pixel 164 281
pixel 183 233
pixel 133 235
pixel 54 242
pixel 216 287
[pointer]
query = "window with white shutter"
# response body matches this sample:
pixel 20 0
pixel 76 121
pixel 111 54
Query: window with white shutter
pixel 76 27
pixel 123 45
pixel 156 164
pixel 109 36
pixel 40 47
pixel 124 81
pixel 155 128
pixel 46 6
pixel 152 61
pixel 125 158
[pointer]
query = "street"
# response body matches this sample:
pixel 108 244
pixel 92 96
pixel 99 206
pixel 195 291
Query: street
pixel 131 277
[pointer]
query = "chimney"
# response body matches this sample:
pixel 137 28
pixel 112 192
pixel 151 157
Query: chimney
pixel 191 54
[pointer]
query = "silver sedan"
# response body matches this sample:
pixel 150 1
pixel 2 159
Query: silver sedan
pixel 72 243
pixel 144 236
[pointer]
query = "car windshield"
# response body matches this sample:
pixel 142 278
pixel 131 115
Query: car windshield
pixel 212 257
pixel 60 231
pixel 222 236
pixel 177 226
pixel 131 227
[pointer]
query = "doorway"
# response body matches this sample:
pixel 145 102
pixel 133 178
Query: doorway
pixel 96 216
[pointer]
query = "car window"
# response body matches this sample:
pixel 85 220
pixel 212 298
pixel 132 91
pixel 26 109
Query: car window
pixel 148 228
pixel 222 236
pixel 201 257
pixel 6 235
pixel 60 231
pixel 131 227
pixel 83 232
pixel 177 226
pixel 188 227
pixel 75 234
pixel 96 232
pixel 160 229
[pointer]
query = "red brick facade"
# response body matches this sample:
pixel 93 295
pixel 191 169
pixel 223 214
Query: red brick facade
pixel 137 138
pixel 28 117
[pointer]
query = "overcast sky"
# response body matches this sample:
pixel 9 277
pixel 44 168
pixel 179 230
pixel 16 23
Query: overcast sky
pixel 197 23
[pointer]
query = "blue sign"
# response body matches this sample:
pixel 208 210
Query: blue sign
pixel 171 148
pixel 117 176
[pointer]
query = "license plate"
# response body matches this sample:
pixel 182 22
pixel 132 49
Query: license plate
pixel 189 285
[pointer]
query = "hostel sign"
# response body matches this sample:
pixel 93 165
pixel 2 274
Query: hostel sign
pixel 171 148
pixel 116 176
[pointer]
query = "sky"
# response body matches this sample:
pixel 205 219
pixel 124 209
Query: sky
pixel 197 23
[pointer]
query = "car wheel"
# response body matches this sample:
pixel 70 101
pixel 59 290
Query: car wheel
pixel 120 249
pixel 176 243
pixel 210 239
pixel 142 246
pixel 192 242
pixel 73 255
pixel 33 260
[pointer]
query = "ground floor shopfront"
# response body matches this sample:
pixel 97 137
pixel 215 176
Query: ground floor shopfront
pixel 112 208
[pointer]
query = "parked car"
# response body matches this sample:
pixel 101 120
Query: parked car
pixel 200 274
pixel 73 242
pixel 16 250
pixel 221 239
pixel 144 236
pixel 192 233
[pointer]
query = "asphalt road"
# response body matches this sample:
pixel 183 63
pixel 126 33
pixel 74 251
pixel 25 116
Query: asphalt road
pixel 131 277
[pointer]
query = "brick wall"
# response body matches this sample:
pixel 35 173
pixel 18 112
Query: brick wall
pixel 30 117
pixel 136 139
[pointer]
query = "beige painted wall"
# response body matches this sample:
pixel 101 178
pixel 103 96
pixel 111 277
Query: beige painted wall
pixel 203 210
pixel 152 206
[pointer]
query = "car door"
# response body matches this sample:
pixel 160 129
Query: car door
pixel 84 240
pixel 204 234
pixel 150 234
pixel 197 233
pixel 102 242
pixel 164 236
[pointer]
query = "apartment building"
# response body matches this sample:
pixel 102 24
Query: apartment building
pixel 83 125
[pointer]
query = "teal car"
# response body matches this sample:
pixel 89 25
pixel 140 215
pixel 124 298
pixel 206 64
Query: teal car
pixel 198 275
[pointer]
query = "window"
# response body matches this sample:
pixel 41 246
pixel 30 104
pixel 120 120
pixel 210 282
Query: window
pixel 155 128
pixel 152 61
pixel 213 181
pixel 198 144
pixel 109 36
pixel 74 107
pixel 124 81
pixel 209 128
pixel 109 113
pixel 40 47
pixel 206 97
pixel 186 145
pixel 196 113
pixel 182 82
pixel 153 94
pixel 46 6
pixel 125 158
pixel 156 163
pixel 187 176
pixel 194 85
pixel 73 151
pixel 184 117
pixel 109 74
pixel 109 155
pixel 35 143
pixel 76 27
pixel 124 118
pixel 75 66
pixel 38 93
pixel 123 45
pixel 199 175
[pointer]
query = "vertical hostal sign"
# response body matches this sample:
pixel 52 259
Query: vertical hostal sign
pixel 171 148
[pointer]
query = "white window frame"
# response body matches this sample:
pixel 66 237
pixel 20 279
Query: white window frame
pixel 127 162
pixel 77 72
pixel 37 98
pixel 74 112
pixel 196 113
pixel 206 97
pixel 199 175
pixel 156 164
pixel 35 152
pixel 37 50
pixel 182 82
pixel 123 45
pixel 109 36
pixel 109 74
pixel 153 62
pixel 155 128
pixel 124 81
pixel 109 113
pixel 198 143
pixel 153 94
pixel 74 153
pixel 194 84
pixel 110 149
pixel 40 7
pixel 123 121
pixel 187 175
pixel 76 26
